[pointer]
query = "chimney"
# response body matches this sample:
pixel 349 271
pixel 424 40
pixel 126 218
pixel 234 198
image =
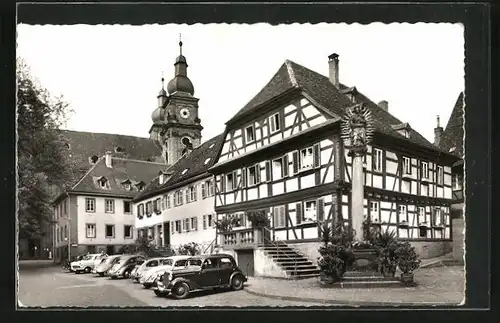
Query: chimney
pixel 333 69
pixel 438 132
pixel 109 163
pixel 384 105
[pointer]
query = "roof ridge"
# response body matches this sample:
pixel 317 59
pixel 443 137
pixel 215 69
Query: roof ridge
pixel 102 133
pixel 291 73
pixel 137 160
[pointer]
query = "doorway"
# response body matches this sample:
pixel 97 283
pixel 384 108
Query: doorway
pixel 246 261
pixel 110 250
pixel 166 233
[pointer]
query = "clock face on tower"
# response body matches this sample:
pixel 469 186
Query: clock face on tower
pixel 184 113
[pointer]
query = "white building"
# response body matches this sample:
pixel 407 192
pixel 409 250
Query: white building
pixel 96 214
pixel 177 207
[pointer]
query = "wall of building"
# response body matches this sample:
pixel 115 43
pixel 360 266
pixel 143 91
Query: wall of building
pixel 187 210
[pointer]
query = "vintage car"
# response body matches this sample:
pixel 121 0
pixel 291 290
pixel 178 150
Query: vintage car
pixel 66 265
pixel 133 273
pixel 105 265
pixel 149 277
pixel 87 263
pixel 201 273
pixel 145 266
pixel 123 266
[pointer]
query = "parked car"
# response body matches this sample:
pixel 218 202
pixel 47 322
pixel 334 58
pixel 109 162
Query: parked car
pixel 201 273
pixel 105 264
pixel 87 263
pixel 66 265
pixel 133 273
pixel 146 265
pixel 123 266
pixel 150 277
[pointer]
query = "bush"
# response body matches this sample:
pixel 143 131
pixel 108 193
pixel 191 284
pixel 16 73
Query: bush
pixel 189 249
pixel 406 257
pixel 334 260
pixel 385 244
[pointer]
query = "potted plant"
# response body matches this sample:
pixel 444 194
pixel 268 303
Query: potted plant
pixel 258 218
pixel 224 225
pixel 385 244
pixel 333 262
pixel 407 260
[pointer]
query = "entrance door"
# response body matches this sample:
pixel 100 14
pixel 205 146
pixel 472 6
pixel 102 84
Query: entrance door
pixel 245 261
pixel 110 250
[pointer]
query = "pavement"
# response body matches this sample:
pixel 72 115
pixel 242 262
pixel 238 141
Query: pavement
pixel 51 287
pixel 436 286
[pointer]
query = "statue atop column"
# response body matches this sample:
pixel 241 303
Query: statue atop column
pixel 357 128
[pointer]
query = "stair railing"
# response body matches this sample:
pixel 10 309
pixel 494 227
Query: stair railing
pixel 277 245
pixel 210 246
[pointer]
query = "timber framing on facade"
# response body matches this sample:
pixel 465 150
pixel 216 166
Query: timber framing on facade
pixel 283 154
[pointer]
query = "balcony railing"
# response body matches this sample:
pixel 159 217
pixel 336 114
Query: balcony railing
pixel 241 238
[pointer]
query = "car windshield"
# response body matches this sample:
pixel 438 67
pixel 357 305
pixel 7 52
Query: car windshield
pixel 87 258
pixel 194 262
pixel 167 262
pixel 112 260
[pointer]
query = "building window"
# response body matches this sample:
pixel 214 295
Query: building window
pixel 406 166
pixel 90 204
pixel 178 198
pixel 375 211
pixel 140 210
pixel 90 230
pixel 149 208
pixel 178 228
pixel 403 213
pixel 307 158
pixel 377 160
pixel 278 168
pixel 127 208
pixel 424 169
pixel 194 223
pixel 185 225
pixel 110 231
pixel 207 189
pixel 127 232
pixel 192 193
pixel 440 175
pixel 250 134
pixel 168 201
pixel 309 211
pixel 110 206
pixel 456 182
pixel 229 182
pixel 274 122
pixel 65 207
pixel 253 176
pixel 422 218
pixel 438 217
pixel 279 216
pixel 208 221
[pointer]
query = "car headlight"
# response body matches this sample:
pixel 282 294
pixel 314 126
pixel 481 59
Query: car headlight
pixel 170 276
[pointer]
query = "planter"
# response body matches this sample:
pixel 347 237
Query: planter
pixel 325 279
pixel 407 278
pixel 388 272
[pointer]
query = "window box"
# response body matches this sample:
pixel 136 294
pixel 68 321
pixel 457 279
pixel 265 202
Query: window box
pixel 403 224
pixel 440 226
pixel 425 180
pixel 424 224
pixel 408 176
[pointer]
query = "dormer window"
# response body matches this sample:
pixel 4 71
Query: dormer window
pixel 119 149
pixel 403 129
pixel 67 145
pixel 93 159
pixel 184 171
pixel 127 184
pixel 405 133
pixel 140 185
pixel 211 146
pixel 102 182
pixel 207 160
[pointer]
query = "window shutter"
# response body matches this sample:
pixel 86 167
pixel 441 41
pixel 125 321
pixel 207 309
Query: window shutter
pixel 234 180
pixel 268 171
pixel 295 162
pixel 285 165
pixel 222 183
pixel 282 216
pixel 195 192
pixel 321 209
pixel 298 212
pixel 187 196
pixel 275 217
pixel 243 177
pixel 195 223
pixel 316 155
pixel 203 193
pixel 257 173
pixel 243 218
pixel 172 227
pixel 204 222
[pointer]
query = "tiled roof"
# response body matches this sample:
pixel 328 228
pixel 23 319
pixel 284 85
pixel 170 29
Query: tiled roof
pixel 197 162
pixel 453 135
pixel 84 145
pixel 136 171
pixel 292 75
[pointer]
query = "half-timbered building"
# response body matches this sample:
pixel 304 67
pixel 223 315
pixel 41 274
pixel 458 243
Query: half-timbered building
pixel 452 140
pixel 282 154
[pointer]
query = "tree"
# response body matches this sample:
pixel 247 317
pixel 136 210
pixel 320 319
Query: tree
pixel 42 161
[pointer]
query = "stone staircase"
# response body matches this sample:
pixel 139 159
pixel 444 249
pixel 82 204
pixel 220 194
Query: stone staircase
pixel 292 262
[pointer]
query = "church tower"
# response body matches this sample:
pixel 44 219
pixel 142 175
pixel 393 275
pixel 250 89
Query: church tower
pixel 176 126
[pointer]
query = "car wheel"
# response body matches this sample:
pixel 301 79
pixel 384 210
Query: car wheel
pixel 101 274
pixel 237 282
pixel 181 290
pixel 160 294
pixel 146 285
pixel 126 274
pixel 87 270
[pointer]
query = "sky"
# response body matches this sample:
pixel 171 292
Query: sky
pixel 111 74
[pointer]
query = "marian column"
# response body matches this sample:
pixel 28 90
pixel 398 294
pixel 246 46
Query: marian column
pixel 357 132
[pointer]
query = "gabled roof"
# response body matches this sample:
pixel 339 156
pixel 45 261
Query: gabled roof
pixel 335 100
pixel 84 145
pixel 197 162
pixel 135 171
pixel 453 135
